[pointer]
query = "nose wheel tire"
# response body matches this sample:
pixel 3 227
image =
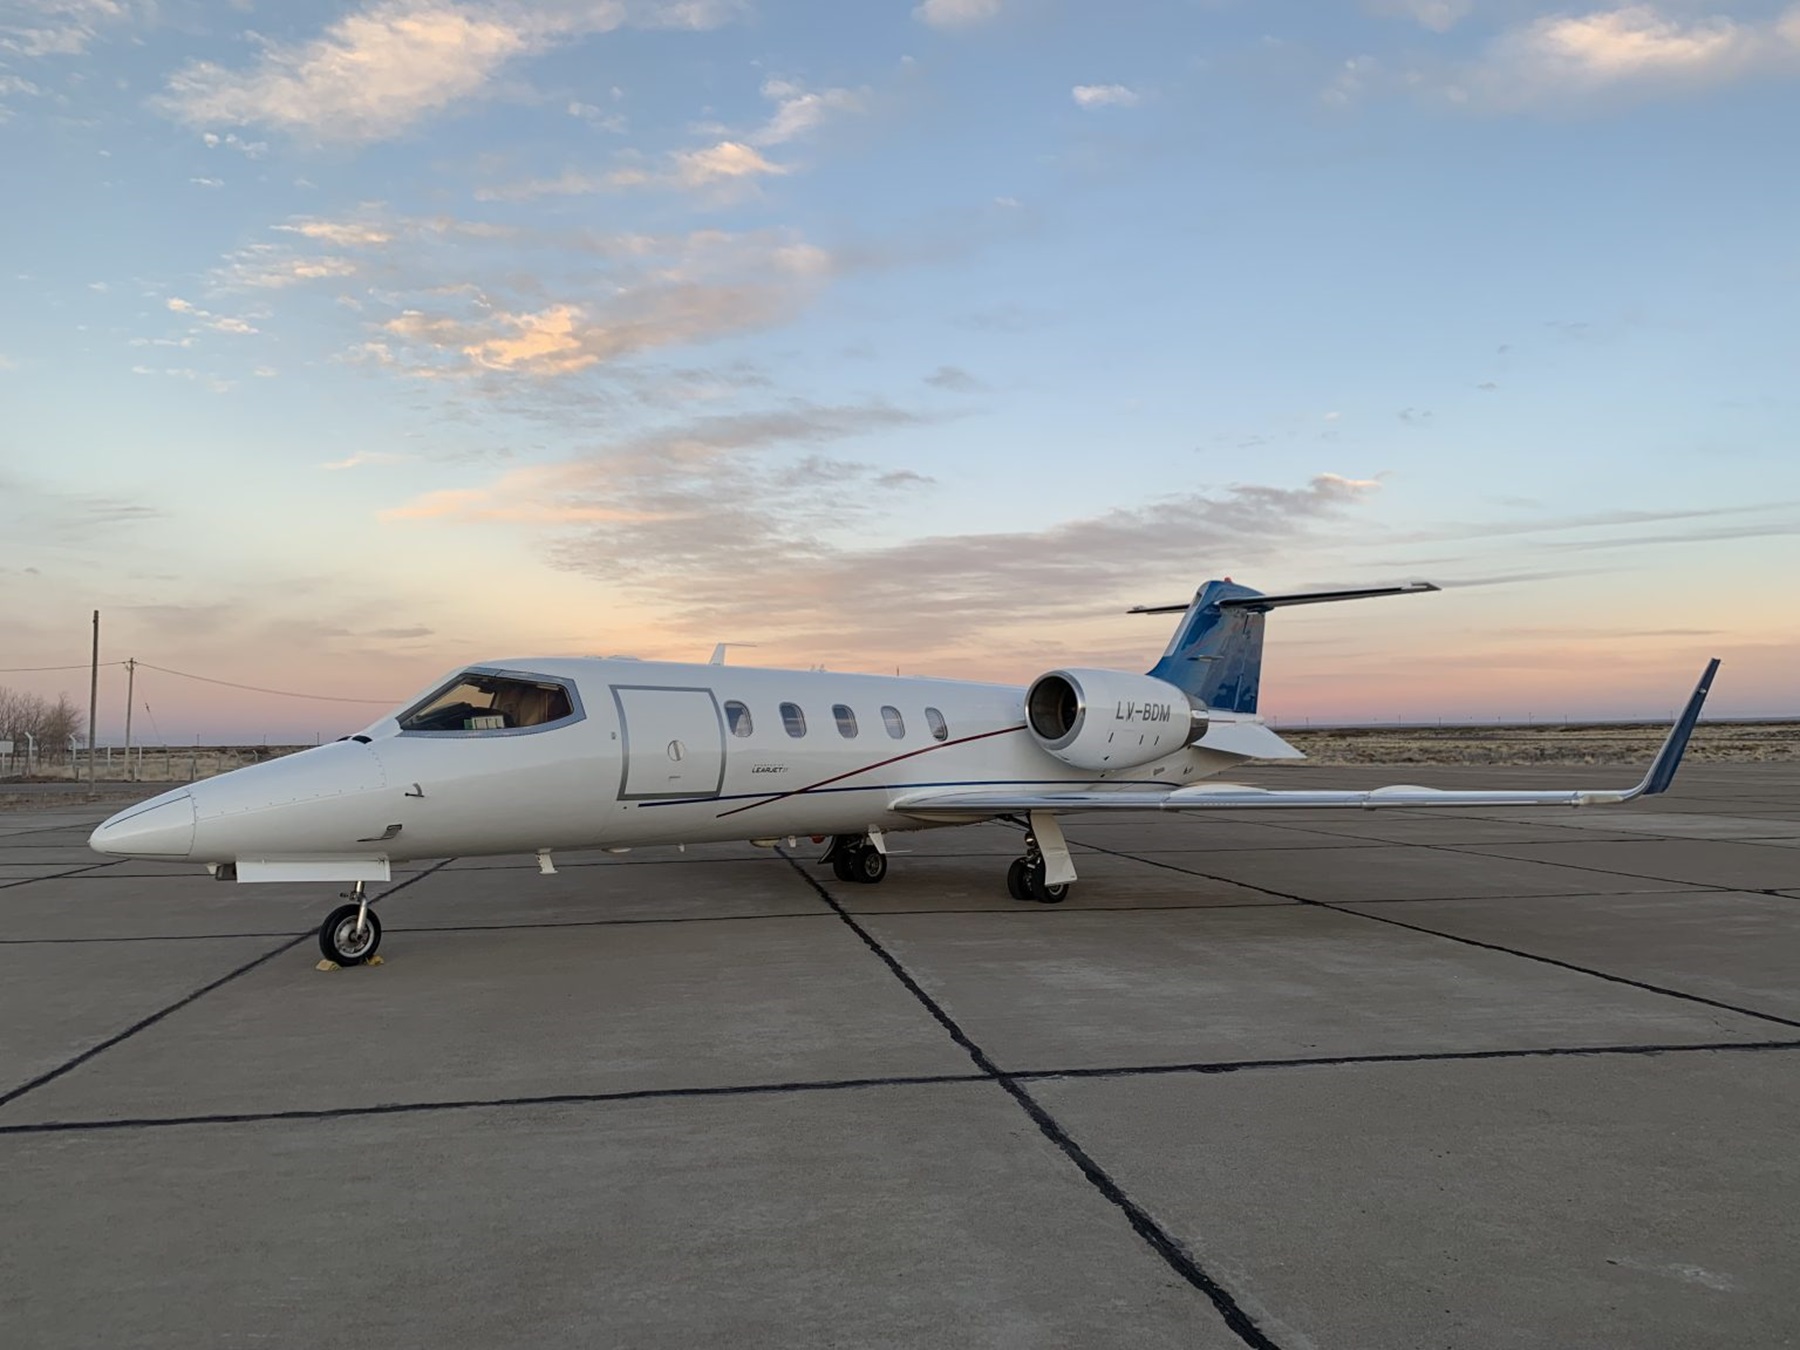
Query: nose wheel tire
pixel 340 941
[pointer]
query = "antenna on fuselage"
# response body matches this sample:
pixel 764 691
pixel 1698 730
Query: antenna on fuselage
pixel 718 656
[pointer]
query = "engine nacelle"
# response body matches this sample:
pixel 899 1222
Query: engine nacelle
pixel 1107 719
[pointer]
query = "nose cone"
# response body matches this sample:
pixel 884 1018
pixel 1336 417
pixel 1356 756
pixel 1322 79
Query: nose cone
pixel 162 827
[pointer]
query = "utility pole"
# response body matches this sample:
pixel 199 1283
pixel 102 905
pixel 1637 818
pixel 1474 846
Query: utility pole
pixel 130 683
pixel 93 700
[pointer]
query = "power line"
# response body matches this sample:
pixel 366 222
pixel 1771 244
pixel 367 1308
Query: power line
pixel 21 670
pixel 254 688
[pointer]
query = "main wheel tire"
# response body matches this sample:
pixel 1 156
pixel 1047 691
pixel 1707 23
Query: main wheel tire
pixel 1042 891
pixel 843 863
pixel 1016 884
pixel 871 865
pixel 339 940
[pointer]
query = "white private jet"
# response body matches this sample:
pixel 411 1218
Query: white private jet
pixel 539 755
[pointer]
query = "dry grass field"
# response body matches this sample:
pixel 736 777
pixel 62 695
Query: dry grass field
pixel 1576 743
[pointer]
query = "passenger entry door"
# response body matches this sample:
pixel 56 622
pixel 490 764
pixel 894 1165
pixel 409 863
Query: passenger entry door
pixel 674 742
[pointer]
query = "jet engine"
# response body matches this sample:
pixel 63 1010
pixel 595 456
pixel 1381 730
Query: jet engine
pixel 1108 719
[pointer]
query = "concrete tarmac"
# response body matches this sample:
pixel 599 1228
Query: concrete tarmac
pixel 1314 1079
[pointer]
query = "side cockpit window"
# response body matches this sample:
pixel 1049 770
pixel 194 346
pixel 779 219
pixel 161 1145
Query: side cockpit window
pixel 484 701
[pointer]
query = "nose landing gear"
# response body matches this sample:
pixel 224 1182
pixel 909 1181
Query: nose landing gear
pixel 351 933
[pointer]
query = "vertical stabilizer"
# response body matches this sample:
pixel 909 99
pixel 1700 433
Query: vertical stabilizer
pixel 1216 653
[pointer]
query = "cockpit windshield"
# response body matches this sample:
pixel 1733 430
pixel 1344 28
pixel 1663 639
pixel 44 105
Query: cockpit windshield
pixel 478 701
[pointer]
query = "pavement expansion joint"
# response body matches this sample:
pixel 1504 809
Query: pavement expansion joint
pixel 996 1076
pixel 57 876
pixel 71 1064
pixel 1488 946
pixel 601 923
pixel 143 937
pixel 491 1103
pixel 1399 1057
pixel 1158 1238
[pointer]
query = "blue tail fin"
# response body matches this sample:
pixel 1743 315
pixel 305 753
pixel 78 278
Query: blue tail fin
pixel 1216 653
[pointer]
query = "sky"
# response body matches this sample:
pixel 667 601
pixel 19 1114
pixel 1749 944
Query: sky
pixel 342 344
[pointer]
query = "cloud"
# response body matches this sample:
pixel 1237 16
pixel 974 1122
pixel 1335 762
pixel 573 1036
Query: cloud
pixel 371 75
pixel 734 162
pixel 269 267
pixel 652 291
pixel 362 457
pixel 725 165
pixel 596 116
pixel 675 477
pixel 377 71
pixel 1103 96
pixel 339 233
pixel 231 140
pixel 954 379
pixel 728 160
pixel 956 13
pixel 1563 56
pixel 569 183
pixel 203 318
pixel 207 182
pixel 1440 16
pixel 38 28
pixel 799 111
pixel 31 513
pixel 550 342
pixel 744 521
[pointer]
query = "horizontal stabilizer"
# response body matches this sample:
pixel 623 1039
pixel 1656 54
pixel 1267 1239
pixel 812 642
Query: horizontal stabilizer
pixel 1262 602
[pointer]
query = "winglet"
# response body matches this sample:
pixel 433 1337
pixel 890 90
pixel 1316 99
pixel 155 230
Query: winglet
pixel 1662 769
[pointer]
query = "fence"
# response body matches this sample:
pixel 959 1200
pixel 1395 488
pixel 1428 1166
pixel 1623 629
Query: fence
pixel 148 763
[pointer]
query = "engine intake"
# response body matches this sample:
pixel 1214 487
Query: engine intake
pixel 1106 719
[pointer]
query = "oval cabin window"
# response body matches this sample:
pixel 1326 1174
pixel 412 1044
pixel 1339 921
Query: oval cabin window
pixel 793 719
pixel 940 729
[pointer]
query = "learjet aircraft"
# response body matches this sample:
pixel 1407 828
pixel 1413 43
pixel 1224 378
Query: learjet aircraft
pixel 535 756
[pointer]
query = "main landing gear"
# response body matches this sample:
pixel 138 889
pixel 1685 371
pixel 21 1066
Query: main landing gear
pixel 350 933
pixel 1026 878
pixel 1046 871
pixel 854 858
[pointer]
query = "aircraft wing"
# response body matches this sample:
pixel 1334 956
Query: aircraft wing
pixel 953 803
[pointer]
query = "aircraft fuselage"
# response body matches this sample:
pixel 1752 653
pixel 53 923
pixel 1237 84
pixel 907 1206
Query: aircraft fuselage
pixel 651 753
